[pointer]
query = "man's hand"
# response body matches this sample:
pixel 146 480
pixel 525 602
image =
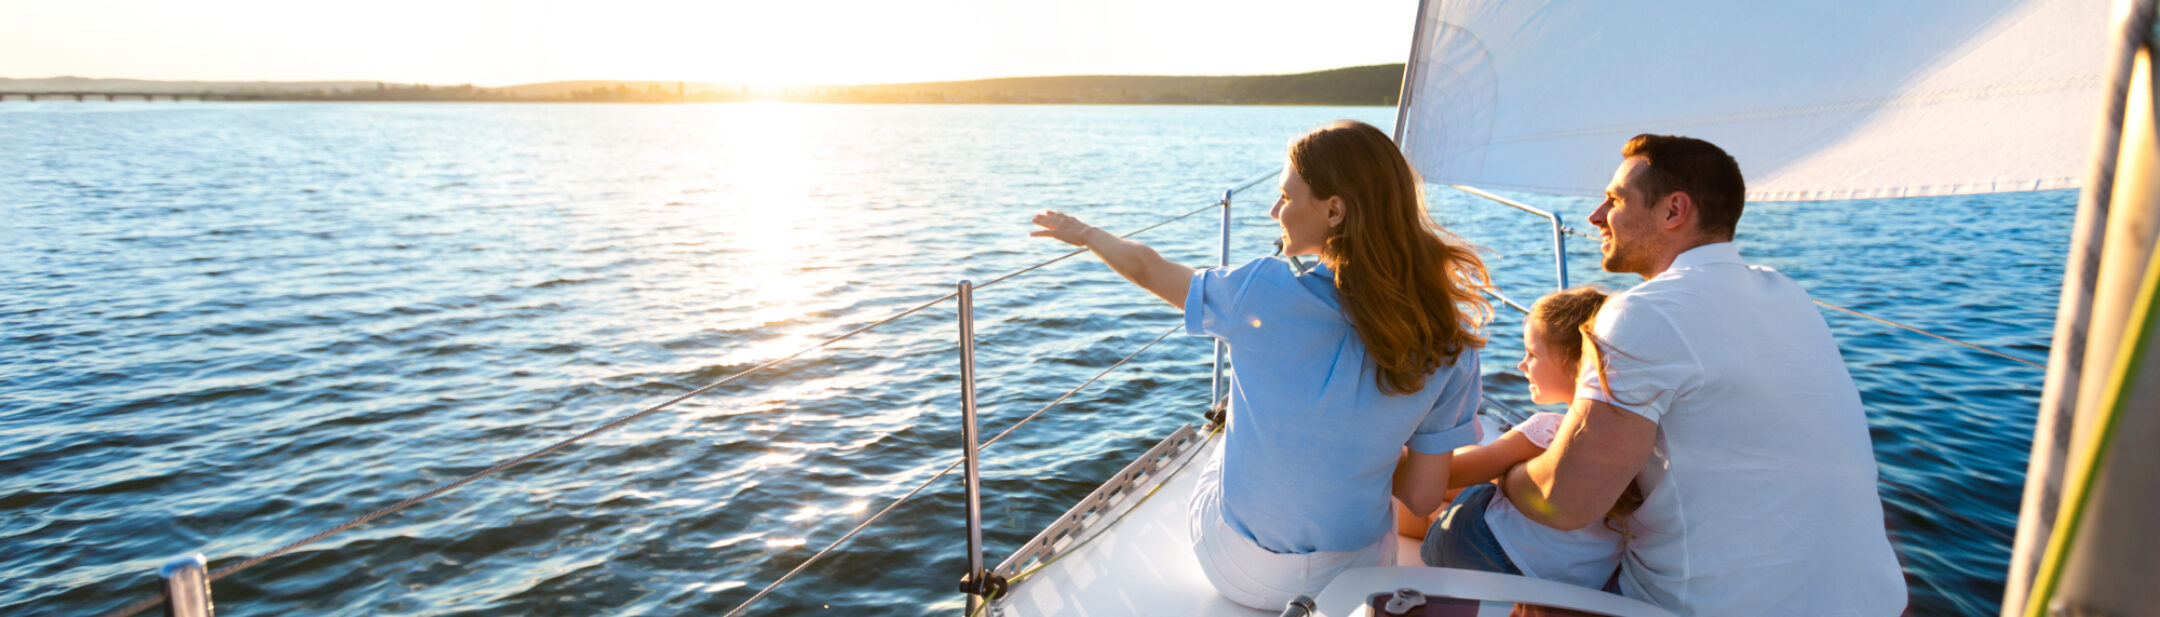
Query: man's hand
pixel 1065 228
pixel 1600 449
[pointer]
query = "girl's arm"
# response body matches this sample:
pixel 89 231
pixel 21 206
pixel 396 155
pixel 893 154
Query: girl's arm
pixel 1469 465
pixel 1485 463
pixel 1135 261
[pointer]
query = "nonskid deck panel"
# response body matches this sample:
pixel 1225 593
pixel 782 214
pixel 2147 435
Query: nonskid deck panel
pixel 1141 562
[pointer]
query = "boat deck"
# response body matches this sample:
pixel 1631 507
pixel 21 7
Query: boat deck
pixel 1141 562
pixel 1144 564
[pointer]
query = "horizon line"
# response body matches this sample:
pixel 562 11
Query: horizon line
pixel 688 81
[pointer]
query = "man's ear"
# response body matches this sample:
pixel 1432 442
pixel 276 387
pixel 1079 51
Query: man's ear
pixel 1678 211
pixel 1335 209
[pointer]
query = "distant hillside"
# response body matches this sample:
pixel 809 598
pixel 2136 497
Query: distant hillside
pixel 567 88
pixel 87 84
pixel 1363 85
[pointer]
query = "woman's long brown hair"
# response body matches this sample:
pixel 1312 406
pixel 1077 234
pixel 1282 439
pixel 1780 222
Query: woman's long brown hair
pixel 1409 287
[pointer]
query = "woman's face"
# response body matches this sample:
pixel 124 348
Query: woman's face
pixel 1305 221
pixel 1551 381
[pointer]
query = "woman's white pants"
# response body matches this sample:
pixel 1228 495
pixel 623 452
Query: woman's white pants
pixel 1256 577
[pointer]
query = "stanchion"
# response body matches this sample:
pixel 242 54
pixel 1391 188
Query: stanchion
pixel 187 586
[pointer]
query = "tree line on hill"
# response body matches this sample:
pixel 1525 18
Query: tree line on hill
pixel 1364 85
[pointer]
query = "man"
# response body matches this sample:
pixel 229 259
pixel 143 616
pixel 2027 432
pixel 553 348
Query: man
pixel 1716 385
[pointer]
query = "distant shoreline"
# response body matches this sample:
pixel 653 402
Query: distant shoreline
pixel 1364 85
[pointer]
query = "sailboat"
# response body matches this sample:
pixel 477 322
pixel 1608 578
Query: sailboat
pixel 1825 100
pixel 1819 101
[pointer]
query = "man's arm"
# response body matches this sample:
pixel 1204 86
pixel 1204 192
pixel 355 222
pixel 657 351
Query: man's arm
pixel 1421 480
pixel 1135 261
pixel 1599 450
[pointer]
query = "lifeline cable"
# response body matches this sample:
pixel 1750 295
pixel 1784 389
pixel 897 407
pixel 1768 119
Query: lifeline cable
pixel 153 601
pixel 1494 291
pixel 1946 339
pixel 1069 255
pixel 926 483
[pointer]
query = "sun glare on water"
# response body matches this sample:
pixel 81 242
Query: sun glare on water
pixel 768 172
pixel 762 219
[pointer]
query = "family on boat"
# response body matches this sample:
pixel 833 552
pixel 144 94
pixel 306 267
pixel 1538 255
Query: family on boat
pixel 1714 458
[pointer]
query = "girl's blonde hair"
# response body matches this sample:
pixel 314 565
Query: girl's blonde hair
pixel 1573 311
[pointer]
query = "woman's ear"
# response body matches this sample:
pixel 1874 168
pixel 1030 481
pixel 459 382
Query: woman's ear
pixel 1335 209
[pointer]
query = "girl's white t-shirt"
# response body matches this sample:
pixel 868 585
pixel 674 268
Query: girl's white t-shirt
pixel 1584 557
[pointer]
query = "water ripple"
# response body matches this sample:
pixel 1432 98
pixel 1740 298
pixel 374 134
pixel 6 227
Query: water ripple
pixel 231 325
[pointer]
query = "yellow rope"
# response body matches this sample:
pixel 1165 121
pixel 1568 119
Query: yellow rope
pixel 2137 340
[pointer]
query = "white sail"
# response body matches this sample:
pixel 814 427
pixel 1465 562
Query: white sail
pixel 1837 99
pixel 1824 99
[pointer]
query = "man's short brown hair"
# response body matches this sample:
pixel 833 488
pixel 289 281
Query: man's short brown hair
pixel 1705 172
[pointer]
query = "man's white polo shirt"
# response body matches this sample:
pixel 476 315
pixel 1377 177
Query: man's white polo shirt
pixel 1761 495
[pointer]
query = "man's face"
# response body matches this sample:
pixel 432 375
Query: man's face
pixel 1627 222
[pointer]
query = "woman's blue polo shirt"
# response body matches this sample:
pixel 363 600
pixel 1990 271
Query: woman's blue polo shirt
pixel 1312 443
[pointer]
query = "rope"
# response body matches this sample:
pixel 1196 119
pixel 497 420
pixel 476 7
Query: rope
pixel 153 601
pixel 1939 337
pixel 948 469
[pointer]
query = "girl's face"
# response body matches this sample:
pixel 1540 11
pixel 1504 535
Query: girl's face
pixel 1552 378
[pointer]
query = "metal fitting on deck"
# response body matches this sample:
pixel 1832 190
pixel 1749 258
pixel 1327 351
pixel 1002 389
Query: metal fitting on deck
pixel 187 585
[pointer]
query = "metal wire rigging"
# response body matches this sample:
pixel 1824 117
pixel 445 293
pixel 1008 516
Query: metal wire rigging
pixel 153 601
pixel 934 478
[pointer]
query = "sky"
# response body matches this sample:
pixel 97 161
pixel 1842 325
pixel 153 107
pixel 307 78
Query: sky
pixel 499 43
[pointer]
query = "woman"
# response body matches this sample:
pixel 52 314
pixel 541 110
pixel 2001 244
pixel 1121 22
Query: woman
pixel 1338 368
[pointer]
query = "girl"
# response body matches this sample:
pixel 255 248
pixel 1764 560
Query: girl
pixel 1588 557
pixel 1338 368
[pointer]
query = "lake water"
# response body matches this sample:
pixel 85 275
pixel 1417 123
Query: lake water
pixel 231 325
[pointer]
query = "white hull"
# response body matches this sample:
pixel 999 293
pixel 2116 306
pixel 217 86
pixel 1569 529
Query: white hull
pixel 1138 560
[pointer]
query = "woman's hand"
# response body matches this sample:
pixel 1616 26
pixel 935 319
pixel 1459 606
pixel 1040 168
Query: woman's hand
pixel 1132 260
pixel 1065 228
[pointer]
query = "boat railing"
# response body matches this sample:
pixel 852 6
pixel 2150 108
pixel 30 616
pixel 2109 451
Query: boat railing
pixel 1559 233
pixel 187 580
pixel 1216 396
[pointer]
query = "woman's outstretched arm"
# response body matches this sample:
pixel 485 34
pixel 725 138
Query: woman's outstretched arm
pixel 1135 261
